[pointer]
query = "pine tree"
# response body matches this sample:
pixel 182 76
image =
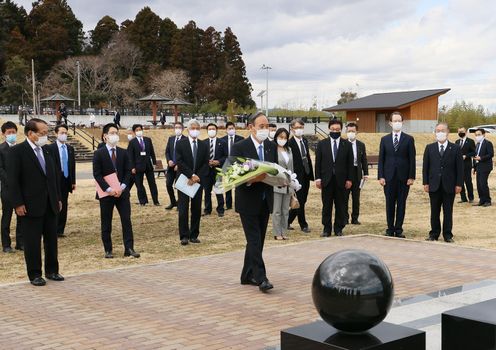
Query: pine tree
pixel 167 31
pixel 144 33
pixel 209 64
pixel 102 34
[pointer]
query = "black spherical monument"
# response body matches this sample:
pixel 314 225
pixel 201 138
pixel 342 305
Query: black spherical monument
pixel 352 290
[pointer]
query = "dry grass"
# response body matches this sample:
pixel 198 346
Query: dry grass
pixel 157 239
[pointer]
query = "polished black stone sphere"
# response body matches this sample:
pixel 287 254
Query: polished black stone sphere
pixel 352 290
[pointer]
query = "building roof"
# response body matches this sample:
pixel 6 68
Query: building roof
pixel 389 100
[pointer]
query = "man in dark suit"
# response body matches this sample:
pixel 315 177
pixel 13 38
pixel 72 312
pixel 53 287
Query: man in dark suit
pixel 333 173
pixel 483 165
pixel 34 191
pixel 467 146
pixel 65 160
pixel 170 156
pixel 442 178
pixel 192 162
pixel 9 131
pixel 303 168
pixel 231 138
pixel 361 171
pixel 254 201
pixel 108 160
pixel 217 151
pixel 142 157
pixel 396 173
pixel 117 118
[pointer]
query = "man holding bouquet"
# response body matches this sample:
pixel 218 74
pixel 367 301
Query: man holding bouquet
pixel 254 201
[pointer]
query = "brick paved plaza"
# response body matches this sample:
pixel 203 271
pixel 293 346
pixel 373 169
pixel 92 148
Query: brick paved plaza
pixel 198 303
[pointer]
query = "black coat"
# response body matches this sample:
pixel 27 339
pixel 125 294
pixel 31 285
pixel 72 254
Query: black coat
pixel 468 150
pixel 184 159
pixel 486 153
pixel 249 198
pixel 169 149
pixel 27 183
pixel 4 149
pixel 220 153
pixel 53 148
pixel 362 162
pixel 299 169
pixel 103 166
pixel 139 162
pixel 343 167
pixel 446 170
pixel 400 163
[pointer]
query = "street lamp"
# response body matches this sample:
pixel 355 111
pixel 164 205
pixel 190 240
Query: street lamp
pixel 266 89
pixel 79 85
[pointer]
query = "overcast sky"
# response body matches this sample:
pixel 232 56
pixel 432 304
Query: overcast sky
pixel 318 48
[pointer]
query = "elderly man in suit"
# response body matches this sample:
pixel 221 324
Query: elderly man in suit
pixel 254 201
pixel 396 173
pixel 66 164
pixel 109 160
pixel 467 146
pixel 442 175
pixel 9 131
pixel 333 173
pixel 170 156
pixel 231 138
pixel 34 191
pixel 192 162
pixel 303 169
pixel 483 165
pixel 361 171
pixel 217 151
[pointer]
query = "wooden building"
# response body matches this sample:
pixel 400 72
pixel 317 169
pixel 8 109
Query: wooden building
pixel 419 110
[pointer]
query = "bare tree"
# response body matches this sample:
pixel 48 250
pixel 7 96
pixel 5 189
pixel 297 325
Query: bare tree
pixel 122 57
pixel 172 83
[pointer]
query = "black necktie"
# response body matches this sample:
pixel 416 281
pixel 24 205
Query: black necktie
pixel 395 142
pixel 231 143
pixel 335 151
pixel 195 152
pixel 441 150
pixel 304 157
pixel 211 149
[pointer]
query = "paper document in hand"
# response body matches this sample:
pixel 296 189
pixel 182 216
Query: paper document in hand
pixel 362 183
pixel 112 181
pixel 182 185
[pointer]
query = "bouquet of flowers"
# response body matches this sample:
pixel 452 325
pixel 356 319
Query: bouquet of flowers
pixel 238 171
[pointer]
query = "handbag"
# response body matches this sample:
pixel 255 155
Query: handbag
pixel 294 203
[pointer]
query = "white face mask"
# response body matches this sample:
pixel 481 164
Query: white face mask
pixel 42 141
pixel 281 142
pixel 298 132
pixel 479 138
pixel 351 136
pixel 194 133
pixel 211 133
pixel 231 132
pixel 62 137
pixel 112 139
pixel 272 134
pixel 139 133
pixel 441 136
pixel 178 131
pixel 262 134
pixel 130 137
pixel 397 126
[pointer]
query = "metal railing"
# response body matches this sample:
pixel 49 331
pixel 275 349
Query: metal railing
pixel 319 131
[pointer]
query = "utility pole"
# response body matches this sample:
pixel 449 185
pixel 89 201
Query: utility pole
pixel 261 95
pixel 34 87
pixel 266 89
pixel 79 86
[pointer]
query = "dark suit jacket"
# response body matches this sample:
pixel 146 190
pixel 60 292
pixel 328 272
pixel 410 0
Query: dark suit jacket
pixel 486 153
pixel 53 148
pixel 103 166
pixel 249 198
pixel 298 162
pixel 220 153
pixel 4 149
pixel 237 138
pixel 139 162
pixel 400 163
pixel 169 149
pixel 343 167
pixel 445 171
pixel 362 162
pixel 27 183
pixel 468 150
pixel 184 159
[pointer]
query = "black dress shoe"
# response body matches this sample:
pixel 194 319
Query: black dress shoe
pixel 487 204
pixel 38 281
pixel 131 252
pixel 206 213
pixel 478 204
pixel 142 204
pixel 387 234
pixel 340 233
pixel 170 206
pixel 184 241
pixel 108 255
pixel 449 240
pixel 61 235
pixel 19 247
pixel 355 222
pixel 265 286
pixel 305 230
pixel 325 234
pixel 194 240
pixel 228 208
pixel 251 282
pixel 430 239
pixel 157 204
pixel 8 250
pixel 55 277
pixel 399 235
pixel 290 228
pixel 220 215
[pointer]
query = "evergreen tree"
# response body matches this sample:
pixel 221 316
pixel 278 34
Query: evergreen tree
pixel 167 31
pixel 102 34
pixel 144 33
pixel 210 64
